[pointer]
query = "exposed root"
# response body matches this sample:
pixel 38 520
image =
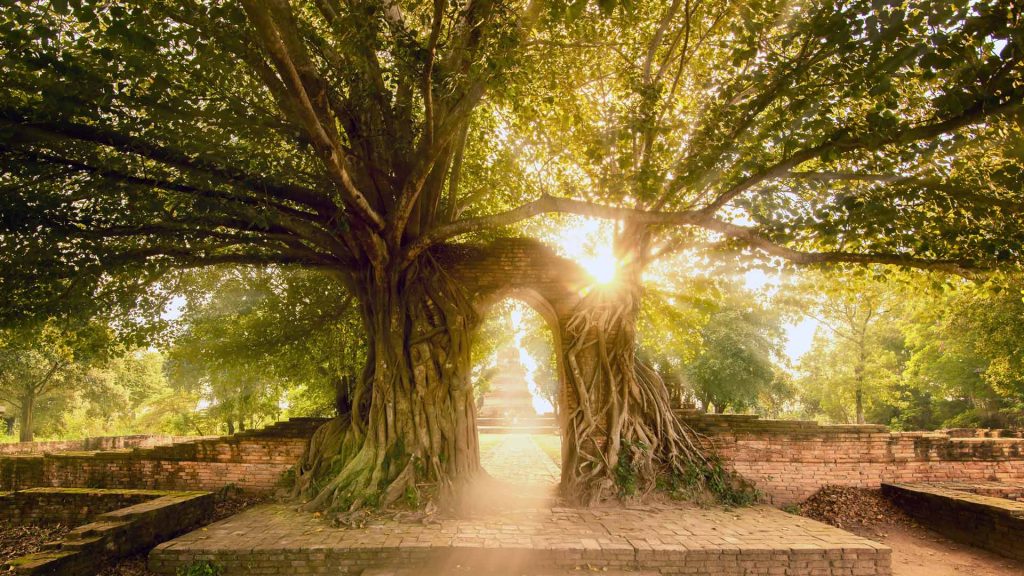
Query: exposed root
pixel 623 432
pixel 410 434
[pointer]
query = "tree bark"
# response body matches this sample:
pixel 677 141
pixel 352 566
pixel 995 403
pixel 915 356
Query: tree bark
pixel 28 403
pixel 407 429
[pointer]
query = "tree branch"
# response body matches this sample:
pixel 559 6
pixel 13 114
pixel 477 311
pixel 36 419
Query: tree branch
pixel 275 24
pixel 842 142
pixel 752 238
pixel 544 205
pixel 301 225
pixel 15 120
pixel 957 192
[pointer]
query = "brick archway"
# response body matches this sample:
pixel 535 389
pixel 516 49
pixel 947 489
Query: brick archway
pixel 533 273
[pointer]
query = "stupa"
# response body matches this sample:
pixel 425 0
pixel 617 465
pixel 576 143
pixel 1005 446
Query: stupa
pixel 509 398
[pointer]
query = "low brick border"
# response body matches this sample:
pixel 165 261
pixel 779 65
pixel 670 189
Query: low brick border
pixel 991 523
pixel 117 534
pixel 67 506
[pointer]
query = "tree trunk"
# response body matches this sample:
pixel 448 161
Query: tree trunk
pixel 858 379
pixel 407 429
pixel 28 404
pixel 622 434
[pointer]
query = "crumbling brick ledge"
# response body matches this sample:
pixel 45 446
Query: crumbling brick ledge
pixel 97 443
pixel 66 506
pixel 117 534
pixel 991 523
pixel 252 461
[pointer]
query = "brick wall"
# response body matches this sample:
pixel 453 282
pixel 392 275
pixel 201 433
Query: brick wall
pixel 790 460
pixel 96 443
pixel 252 461
pixel 787 460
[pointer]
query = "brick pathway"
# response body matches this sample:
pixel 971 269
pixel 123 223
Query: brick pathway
pixel 665 538
pixel 517 459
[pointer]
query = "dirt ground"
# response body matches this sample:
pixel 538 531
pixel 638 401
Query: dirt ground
pixel 916 551
pixel 921 552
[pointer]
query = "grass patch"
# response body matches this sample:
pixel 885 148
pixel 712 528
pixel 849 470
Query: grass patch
pixel 551 444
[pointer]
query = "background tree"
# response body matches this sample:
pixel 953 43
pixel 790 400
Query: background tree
pixel 738 365
pixel 539 342
pixel 249 343
pixel 119 396
pixel 38 362
pixel 964 367
pixel 862 348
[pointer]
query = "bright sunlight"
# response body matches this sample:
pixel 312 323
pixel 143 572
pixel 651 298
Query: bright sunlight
pixel 589 243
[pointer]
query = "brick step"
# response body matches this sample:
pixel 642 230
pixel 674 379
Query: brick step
pixel 581 571
pixel 89 543
pixel 517 430
pixel 204 449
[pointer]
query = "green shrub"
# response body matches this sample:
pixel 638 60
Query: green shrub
pixel 626 473
pixel 726 488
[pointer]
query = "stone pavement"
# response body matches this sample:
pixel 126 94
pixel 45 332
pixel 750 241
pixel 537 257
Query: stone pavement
pixel 666 539
pixel 517 459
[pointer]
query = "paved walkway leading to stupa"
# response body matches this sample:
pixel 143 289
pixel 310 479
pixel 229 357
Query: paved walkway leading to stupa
pixel 517 458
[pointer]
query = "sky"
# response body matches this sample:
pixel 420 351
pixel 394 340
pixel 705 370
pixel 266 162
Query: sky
pixel 799 334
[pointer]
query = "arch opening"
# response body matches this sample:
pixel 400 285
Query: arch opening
pixel 517 384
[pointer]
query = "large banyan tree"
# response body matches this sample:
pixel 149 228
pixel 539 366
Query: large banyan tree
pixel 392 143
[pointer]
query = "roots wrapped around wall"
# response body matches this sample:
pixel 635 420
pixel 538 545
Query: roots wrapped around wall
pixel 623 434
pixel 409 434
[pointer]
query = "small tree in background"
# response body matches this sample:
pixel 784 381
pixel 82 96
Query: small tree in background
pixel 40 362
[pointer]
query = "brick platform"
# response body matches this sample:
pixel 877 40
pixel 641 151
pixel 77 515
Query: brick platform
pixel 956 510
pixel 665 539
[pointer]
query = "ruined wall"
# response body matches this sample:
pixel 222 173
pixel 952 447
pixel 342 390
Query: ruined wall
pixel 118 533
pixel 787 460
pixel 96 443
pixel 252 461
pixel 790 460
pixel 67 506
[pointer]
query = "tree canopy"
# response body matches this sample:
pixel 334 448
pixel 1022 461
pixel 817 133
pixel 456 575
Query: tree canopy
pixel 138 138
